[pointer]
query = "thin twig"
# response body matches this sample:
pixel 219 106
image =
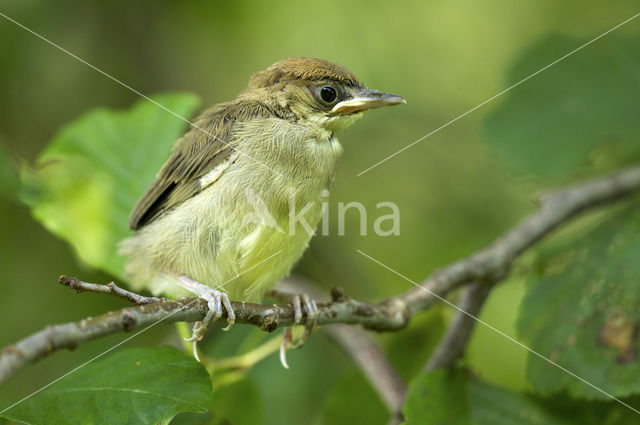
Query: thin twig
pixel 488 265
pixel 452 345
pixel 109 288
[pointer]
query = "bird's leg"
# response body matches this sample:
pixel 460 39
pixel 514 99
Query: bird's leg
pixel 299 302
pixel 215 301
pixel 311 308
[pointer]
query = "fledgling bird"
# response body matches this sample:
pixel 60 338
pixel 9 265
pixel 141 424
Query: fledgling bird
pixel 195 227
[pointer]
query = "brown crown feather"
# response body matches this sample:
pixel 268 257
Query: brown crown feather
pixel 309 69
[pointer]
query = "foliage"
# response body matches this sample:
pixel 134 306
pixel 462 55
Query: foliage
pixel 134 386
pixel 238 403
pixel 88 179
pixel 455 397
pixel 581 310
pixel 556 122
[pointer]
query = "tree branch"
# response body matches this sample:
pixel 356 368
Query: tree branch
pixel 492 263
pixel 266 317
pixel 109 288
pixel 363 351
pixel 455 340
pixel 488 265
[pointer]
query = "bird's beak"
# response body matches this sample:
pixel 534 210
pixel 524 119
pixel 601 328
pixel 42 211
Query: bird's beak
pixel 364 99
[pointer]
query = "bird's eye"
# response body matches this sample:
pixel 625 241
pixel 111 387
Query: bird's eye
pixel 328 94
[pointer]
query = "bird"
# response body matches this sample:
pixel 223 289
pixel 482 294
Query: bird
pixel 216 221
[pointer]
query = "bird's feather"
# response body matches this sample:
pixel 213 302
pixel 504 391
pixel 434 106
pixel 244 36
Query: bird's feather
pixel 208 144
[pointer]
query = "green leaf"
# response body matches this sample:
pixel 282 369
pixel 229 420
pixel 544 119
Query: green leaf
pixel 581 310
pixel 238 403
pixel 136 386
pixel 89 178
pixel 454 397
pixel 550 124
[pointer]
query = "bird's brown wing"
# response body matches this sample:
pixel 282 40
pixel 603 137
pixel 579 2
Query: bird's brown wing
pixel 199 151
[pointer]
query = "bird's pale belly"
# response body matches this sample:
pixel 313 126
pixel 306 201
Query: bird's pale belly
pixel 265 256
pixel 237 254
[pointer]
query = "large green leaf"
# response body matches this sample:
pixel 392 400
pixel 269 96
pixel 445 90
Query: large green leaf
pixel 550 124
pixel 137 386
pixel 455 397
pixel 88 179
pixel 237 403
pixel 581 310
pixel 452 397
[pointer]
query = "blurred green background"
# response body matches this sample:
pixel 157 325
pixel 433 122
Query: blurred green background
pixel 456 190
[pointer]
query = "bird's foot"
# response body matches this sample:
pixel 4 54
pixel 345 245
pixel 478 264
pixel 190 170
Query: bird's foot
pixel 311 309
pixel 216 300
pixel 300 302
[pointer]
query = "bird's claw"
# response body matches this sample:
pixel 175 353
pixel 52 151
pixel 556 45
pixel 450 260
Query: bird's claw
pixel 284 346
pixel 216 301
pixel 311 309
pixel 300 303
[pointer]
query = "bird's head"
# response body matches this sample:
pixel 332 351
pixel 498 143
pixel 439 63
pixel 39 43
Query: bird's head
pixel 318 92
